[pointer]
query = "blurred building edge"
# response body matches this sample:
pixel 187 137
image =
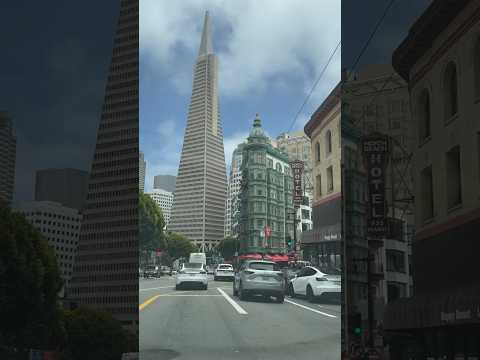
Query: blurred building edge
pixel 8 146
pixel 322 244
pixel 440 60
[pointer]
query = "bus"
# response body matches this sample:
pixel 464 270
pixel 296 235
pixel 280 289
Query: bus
pixel 198 258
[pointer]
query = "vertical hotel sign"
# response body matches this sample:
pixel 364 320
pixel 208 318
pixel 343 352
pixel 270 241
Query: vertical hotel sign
pixel 375 151
pixel 297 170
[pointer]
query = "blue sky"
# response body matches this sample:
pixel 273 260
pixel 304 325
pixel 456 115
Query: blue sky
pixel 270 54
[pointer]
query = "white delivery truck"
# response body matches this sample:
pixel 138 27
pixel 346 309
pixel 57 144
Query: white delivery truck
pixel 198 258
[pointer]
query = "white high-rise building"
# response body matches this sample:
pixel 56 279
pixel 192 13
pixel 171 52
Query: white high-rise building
pixel 198 210
pixel 142 168
pixel 164 199
pixel 60 225
pixel 233 202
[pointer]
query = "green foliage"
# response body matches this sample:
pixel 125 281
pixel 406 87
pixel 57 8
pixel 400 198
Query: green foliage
pixel 179 246
pixel 227 247
pixel 94 334
pixel 30 280
pixel 151 223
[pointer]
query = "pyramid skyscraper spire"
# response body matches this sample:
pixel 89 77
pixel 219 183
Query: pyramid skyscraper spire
pixel 199 205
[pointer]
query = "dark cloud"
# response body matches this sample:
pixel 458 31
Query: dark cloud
pixel 54 63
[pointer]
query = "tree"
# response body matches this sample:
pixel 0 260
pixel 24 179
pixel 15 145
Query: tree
pixel 179 246
pixel 227 247
pixel 151 224
pixel 30 313
pixel 95 334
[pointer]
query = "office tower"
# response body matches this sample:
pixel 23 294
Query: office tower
pixel 65 186
pixel 164 182
pixel 106 268
pixel 142 168
pixel 266 196
pixel 199 204
pixel 60 225
pixel 164 199
pixel 8 145
pixel 232 211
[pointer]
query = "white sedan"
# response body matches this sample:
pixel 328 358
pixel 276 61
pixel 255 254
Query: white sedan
pixel 313 283
pixel 192 274
pixel 224 271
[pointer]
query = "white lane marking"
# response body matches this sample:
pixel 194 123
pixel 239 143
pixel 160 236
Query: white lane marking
pixel 309 308
pixel 156 288
pixel 232 302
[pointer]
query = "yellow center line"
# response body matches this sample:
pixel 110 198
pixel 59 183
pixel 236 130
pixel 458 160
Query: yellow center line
pixel 148 302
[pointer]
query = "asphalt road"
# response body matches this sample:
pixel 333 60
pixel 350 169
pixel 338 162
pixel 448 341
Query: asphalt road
pixel 212 324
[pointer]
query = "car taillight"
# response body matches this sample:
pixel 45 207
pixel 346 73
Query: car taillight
pixel 321 279
pixel 248 272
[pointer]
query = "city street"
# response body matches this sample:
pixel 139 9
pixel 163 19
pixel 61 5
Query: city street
pixel 212 324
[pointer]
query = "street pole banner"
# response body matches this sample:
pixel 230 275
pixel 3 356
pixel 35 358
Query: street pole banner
pixel 375 152
pixel 297 170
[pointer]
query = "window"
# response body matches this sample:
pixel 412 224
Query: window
pixel 328 140
pixel 270 163
pixel 279 167
pixel 476 68
pixel 454 179
pixel 395 261
pixel 317 151
pixel 450 91
pixel 330 179
pixel 424 115
pixel 427 193
pixel 318 184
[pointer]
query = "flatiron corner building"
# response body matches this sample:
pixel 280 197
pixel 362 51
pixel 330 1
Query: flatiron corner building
pixel 105 274
pixel 201 188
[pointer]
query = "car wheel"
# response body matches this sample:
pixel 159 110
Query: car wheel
pixel 215 278
pixel 280 298
pixel 291 291
pixel 235 292
pixel 177 287
pixel 241 293
pixel 310 296
pixel 205 287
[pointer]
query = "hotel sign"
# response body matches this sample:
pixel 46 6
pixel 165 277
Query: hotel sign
pixel 375 152
pixel 297 170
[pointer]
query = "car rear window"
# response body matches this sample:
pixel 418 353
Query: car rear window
pixel 264 266
pixel 192 265
pixel 225 267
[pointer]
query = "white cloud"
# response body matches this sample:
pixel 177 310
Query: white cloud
pixel 262 43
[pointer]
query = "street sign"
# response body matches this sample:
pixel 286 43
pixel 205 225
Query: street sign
pixel 375 151
pixel 297 170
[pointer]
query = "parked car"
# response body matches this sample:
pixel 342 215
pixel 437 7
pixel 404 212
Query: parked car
pixel 313 283
pixel 224 272
pixel 194 274
pixel 150 271
pixel 259 277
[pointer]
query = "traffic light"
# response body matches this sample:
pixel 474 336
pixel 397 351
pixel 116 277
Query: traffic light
pixel 289 243
pixel 355 323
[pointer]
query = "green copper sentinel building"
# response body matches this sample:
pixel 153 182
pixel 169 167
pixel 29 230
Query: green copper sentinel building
pixel 266 196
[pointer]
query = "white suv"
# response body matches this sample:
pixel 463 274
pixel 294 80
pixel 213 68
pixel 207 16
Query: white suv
pixel 313 283
pixel 224 271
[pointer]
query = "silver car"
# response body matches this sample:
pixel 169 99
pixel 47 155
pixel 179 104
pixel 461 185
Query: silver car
pixel 192 274
pixel 259 277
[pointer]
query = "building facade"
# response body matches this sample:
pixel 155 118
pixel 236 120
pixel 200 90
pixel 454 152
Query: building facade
pixel 105 273
pixel 198 210
pixel 322 244
pixel 65 186
pixel 8 149
pixel 142 169
pixel 298 147
pixel 442 69
pixel 164 199
pixel 266 196
pixel 60 225
pixel 164 182
pixel 233 201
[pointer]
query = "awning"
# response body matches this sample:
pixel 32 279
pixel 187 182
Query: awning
pixel 433 310
pixel 250 257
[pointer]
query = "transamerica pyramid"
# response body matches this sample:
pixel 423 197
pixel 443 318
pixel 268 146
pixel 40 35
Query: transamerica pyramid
pixel 199 204
pixel 105 273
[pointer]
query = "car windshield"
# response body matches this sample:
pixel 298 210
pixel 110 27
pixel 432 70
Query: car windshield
pixel 193 266
pixel 264 266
